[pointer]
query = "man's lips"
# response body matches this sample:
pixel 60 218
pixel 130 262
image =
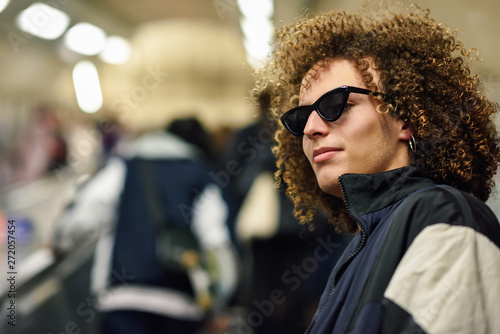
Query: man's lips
pixel 324 153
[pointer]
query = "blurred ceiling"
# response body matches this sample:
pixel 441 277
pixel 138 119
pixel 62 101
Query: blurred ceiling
pixel 195 47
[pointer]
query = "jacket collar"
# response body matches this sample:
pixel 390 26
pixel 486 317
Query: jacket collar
pixel 366 193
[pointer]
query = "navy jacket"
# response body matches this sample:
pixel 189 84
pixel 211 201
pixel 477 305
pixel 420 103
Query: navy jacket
pixel 114 205
pixel 426 260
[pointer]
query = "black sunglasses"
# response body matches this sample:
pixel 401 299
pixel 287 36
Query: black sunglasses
pixel 329 106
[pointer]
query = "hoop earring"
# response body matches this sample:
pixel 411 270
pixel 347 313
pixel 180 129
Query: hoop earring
pixel 413 144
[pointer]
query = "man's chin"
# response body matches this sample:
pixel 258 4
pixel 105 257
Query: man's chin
pixel 331 188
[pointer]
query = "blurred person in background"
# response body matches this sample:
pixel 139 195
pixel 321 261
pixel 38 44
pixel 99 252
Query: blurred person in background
pixel 385 127
pixel 158 187
pixel 40 146
pixel 113 135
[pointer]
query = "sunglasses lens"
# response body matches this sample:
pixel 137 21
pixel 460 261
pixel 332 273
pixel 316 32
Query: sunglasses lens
pixel 296 120
pixel 331 107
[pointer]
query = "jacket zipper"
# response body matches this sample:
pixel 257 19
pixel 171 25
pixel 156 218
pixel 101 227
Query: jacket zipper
pixel 347 259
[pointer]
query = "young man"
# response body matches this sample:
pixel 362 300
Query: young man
pixel 387 130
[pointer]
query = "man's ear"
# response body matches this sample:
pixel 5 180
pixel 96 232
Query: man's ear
pixel 404 130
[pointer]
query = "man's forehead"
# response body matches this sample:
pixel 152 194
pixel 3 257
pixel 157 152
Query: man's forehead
pixel 326 71
pixel 345 70
pixel 313 75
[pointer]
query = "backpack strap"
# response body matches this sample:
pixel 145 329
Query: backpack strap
pixel 152 194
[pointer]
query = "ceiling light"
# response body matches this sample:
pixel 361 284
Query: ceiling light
pixel 3 4
pixel 256 8
pixel 257 51
pixel 87 86
pixel 257 29
pixel 85 39
pixel 116 51
pixel 42 21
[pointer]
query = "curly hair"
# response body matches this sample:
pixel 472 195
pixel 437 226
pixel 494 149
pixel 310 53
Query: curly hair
pixel 425 76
